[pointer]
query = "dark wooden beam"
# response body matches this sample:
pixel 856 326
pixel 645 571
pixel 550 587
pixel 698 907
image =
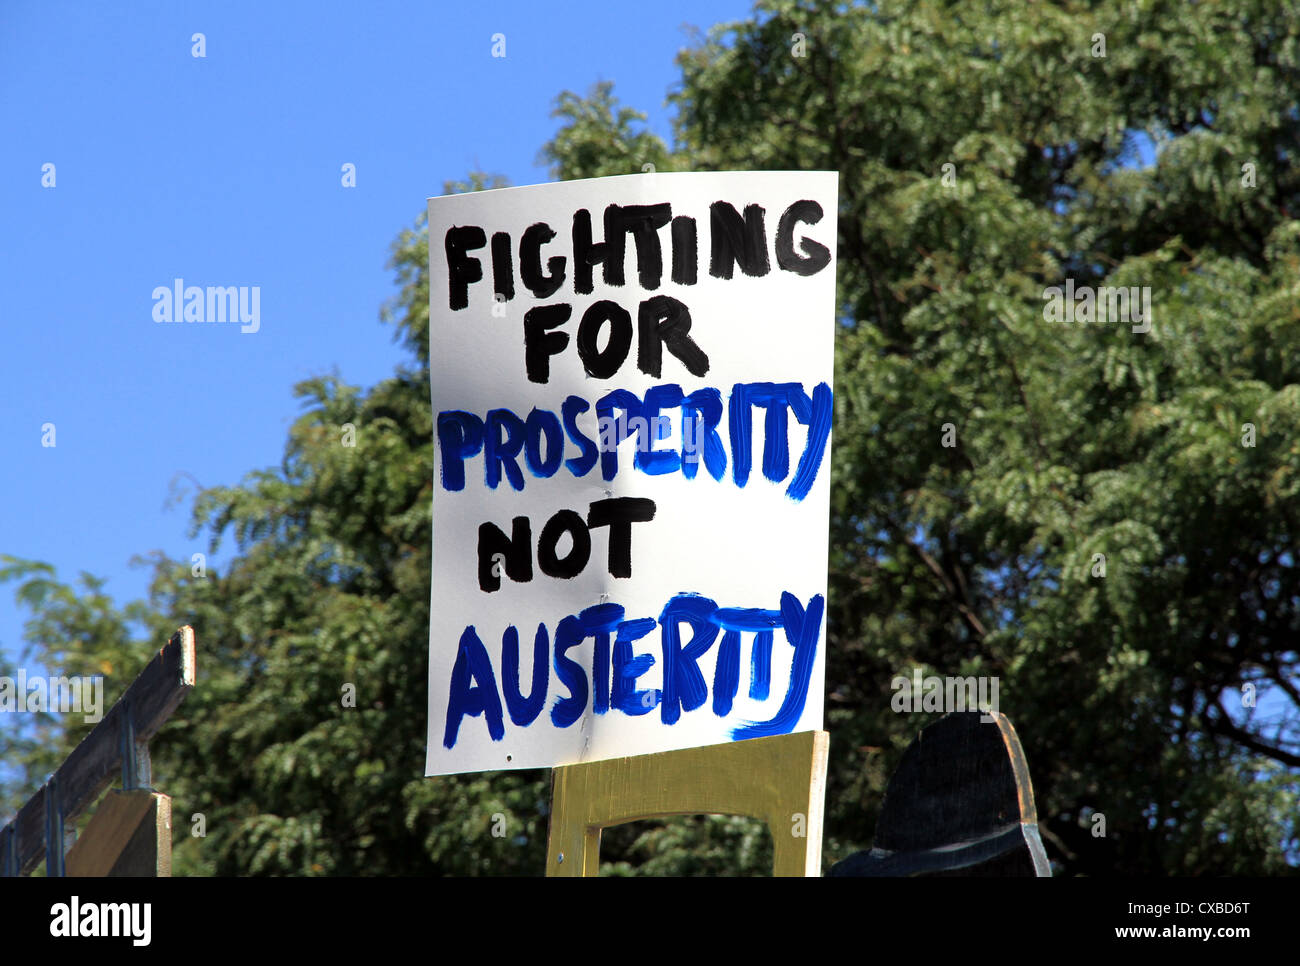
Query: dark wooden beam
pixel 87 771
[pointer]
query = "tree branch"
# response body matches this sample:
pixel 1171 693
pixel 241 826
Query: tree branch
pixel 1221 724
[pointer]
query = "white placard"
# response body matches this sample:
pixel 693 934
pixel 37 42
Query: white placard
pixel 631 384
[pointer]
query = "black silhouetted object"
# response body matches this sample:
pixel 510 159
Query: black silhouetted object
pixel 960 804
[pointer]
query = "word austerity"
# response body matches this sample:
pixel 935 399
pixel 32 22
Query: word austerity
pixel 474 692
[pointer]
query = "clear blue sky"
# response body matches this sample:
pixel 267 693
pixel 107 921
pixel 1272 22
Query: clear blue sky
pixel 225 170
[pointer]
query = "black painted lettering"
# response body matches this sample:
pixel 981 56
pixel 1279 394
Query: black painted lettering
pixel 643 222
pixel 565 521
pixel 664 321
pixel 530 261
pixel 462 270
pixel 539 343
pixel 619 514
pixel 587 254
pixel 603 364
pixel 503 266
pixel 497 552
pixel 686 255
pixel 737 242
pixel 815 255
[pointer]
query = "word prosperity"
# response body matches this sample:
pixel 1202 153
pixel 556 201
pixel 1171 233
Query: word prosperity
pixel 505 439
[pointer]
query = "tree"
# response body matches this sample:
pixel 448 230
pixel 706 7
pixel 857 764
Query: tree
pixel 1076 509
pixel 985 155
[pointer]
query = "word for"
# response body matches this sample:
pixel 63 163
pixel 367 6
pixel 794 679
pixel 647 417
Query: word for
pixel 615 667
pixel 734 240
pixel 506 440
pixel 946 694
pixel 74 919
pixel 1118 305
pixel 216 303
pixel 662 322
pixel 62 694
pixel 514 554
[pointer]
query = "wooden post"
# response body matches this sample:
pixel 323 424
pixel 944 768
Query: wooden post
pixel 781 780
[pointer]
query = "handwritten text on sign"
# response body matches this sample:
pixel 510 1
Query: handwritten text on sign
pixel 631 382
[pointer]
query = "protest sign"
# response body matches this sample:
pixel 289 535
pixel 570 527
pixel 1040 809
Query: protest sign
pixel 631 386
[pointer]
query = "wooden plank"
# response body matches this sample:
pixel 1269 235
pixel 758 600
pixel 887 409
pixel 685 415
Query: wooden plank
pixel 129 835
pixel 88 770
pixel 780 780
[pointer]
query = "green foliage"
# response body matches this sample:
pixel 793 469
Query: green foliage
pixel 688 845
pixel 598 138
pixel 1072 441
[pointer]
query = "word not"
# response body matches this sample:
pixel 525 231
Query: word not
pixel 73 919
pixel 504 439
pixel 513 554
pixel 216 303
pixel 946 694
pixel 735 240
pixel 474 690
pixel 1117 305
pixel 36 693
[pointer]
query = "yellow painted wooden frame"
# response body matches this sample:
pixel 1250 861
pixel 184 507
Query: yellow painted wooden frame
pixel 781 780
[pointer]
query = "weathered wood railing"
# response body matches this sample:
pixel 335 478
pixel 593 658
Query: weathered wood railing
pixel 130 834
